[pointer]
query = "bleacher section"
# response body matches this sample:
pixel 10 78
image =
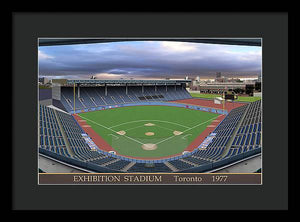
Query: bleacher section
pixel 59 132
pixel 51 139
pixel 77 143
pixel 248 136
pixel 95 96
pixel 50 135
pixel 223 132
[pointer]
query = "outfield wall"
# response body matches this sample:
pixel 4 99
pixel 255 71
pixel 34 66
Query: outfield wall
pixel 194 107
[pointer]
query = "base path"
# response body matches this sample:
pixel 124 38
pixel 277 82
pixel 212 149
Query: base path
pixel 210 103
pixel 149 146
pixel 98 140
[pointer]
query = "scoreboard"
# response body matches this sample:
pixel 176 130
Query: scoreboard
pixel 230 95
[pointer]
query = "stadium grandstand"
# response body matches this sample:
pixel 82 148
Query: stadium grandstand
pixel 61 137
pixel 112 92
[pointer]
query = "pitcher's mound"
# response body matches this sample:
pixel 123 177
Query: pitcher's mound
pixel 176 133
pixel 149 146
pixel 149 124
pixel 122 132
pixel 149 134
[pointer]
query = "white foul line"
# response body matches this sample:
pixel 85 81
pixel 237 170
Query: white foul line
pixel 114 136
pixel 186 130
pixel 186 136
pixel 111 130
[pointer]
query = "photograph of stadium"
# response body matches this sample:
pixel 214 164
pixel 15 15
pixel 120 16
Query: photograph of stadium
pixel 160 106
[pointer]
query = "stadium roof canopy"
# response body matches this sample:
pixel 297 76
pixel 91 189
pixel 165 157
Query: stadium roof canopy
pixel 227 41
pixel 124 81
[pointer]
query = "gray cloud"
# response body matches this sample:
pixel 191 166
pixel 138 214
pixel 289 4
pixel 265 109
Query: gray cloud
pixel 154 59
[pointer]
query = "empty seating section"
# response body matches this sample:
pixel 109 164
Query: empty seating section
pixel 212 153
pixel 103 160
pixel 248 136
pixel 180 165
pixel 75 139
pixel 140 167
pixel 195 160
pixel 50 135
pixel 67 99
pixel 89 97
pixel 52 140
pixel 223 131
pixel 118 164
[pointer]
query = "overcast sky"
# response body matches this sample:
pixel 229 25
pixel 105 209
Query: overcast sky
pixel 148 59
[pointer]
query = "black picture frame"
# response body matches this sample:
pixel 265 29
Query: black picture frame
pixel 272 195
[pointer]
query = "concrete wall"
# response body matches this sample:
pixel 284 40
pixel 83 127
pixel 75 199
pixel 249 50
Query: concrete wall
pixel 45 94
pixel 46 102
pixel 56 92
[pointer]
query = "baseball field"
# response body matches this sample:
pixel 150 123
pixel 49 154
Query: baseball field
pixel 148 131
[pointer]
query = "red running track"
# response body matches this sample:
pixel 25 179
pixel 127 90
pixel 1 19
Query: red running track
pixel 210 103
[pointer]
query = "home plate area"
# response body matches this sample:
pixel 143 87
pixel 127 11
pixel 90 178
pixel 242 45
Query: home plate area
pixel 149 146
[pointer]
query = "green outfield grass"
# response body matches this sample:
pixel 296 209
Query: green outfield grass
pixel 240 98
pixel 165 120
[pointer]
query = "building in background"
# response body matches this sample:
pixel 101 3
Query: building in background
pixel 220 78
pixel 59 81
pixel 44 80
pixel 259 78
